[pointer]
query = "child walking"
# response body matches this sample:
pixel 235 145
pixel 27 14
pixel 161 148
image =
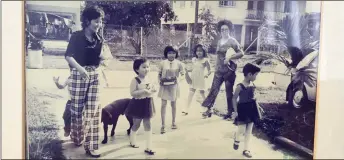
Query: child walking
pixel 245 109
pixel 200 61
pixel 66 114
pixel 169 71
pixel 141 107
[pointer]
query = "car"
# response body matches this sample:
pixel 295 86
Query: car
pixel 297 97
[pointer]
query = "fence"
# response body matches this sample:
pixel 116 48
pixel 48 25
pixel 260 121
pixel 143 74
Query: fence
pixel 150 42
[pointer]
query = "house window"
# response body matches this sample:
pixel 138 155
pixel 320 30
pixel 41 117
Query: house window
pixel 250 5
pixel 227 3
pixel 182 4
pixel 287 6
pixel 279 6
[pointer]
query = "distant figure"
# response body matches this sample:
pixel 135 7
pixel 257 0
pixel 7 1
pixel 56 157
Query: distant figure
pixel 57 26
pixel 44 23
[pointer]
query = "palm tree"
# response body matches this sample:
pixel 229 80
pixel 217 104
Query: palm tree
pixel 290 33
pixel 307 75
pixel 294 41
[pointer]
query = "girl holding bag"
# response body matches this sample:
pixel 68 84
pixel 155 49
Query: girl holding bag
pixel 170 71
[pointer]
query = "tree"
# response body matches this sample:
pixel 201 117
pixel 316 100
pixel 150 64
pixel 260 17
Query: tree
pixel 209 26
pixel 136 14
pixel 297 40
pixel 292 36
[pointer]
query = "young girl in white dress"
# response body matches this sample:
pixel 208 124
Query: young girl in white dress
pixel 200 61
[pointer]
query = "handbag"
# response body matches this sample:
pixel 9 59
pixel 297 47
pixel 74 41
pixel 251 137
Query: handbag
pixel 231 66
pixel 168 81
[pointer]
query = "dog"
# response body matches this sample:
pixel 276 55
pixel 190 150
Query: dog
pixel 111 113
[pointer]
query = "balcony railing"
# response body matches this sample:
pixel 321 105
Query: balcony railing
pixel 261 15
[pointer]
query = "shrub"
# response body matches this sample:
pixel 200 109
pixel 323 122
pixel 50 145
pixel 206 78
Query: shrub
pixel 36 44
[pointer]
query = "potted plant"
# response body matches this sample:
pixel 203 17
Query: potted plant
pixel 35 53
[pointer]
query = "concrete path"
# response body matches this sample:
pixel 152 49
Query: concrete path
pixel 196 138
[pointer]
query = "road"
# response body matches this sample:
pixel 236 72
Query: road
pixel 196 138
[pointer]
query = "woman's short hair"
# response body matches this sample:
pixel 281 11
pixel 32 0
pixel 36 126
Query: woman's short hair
pixel 169 49
pixel 90 14
pixel 228 23
pixel 203 50
pixel 138 62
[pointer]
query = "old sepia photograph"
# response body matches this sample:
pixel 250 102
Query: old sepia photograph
pixel 171 79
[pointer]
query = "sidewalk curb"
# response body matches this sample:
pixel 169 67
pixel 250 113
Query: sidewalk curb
pixel 285 142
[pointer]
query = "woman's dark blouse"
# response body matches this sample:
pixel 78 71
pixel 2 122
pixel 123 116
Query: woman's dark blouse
pixel 84 52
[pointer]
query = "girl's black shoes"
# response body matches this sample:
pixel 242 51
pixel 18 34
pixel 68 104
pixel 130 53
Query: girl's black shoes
pixel 247 154
pixel 150 152
pixel 93 154
pixel 207 114
pixel 236 145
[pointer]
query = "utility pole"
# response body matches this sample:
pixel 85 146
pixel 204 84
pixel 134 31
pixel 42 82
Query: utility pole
pixel 194 27
pixel 141 40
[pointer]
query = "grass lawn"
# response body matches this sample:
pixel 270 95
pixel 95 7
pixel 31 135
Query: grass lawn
pixel 43 140
pixel 280 119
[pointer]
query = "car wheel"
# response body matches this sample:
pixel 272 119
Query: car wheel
pixel 297 98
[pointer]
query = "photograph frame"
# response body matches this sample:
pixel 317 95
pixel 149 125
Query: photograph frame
pixel 141 48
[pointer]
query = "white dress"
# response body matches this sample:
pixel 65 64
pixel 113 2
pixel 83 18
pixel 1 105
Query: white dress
pixel 197 74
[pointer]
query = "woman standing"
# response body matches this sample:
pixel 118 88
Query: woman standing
pixel 84 57
pixel 225 67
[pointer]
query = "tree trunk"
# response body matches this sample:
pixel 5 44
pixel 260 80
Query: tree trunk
pixel 136 46
pixel 134 38
pixel 192 39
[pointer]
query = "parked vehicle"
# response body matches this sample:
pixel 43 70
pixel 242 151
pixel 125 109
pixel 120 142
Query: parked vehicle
pixel 297 97
pixel 49 26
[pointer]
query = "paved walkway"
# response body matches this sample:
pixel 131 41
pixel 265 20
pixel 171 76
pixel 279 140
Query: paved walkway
pixel 196 138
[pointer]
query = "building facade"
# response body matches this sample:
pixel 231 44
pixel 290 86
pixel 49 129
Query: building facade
pixel 53 19
pixel 246 16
